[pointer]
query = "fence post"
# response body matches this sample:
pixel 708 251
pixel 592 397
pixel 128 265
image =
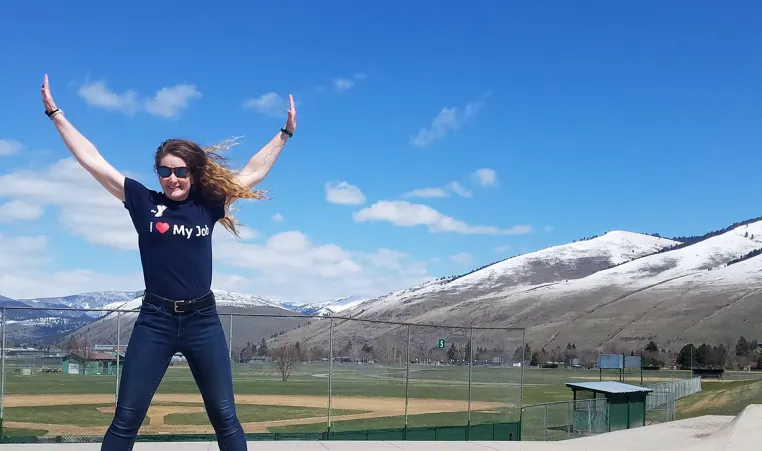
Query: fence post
pixel 2 379
pixel 470 364
pixel 590 416
pixel 523 359
pixel 330 374
pixel 545 422
pixel 118 352
pixel 407 377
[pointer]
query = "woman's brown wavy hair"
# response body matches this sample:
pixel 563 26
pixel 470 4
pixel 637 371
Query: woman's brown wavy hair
pixel 213 181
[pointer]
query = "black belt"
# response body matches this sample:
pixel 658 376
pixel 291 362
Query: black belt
pixel 185 305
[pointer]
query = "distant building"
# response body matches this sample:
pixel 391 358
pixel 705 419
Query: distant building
pixel 92 363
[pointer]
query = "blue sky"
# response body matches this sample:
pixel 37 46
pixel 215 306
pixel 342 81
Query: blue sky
pixel 583 119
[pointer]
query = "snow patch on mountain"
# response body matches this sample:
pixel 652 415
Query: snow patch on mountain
pixel 710 254
pixel 547 266
pixel 90 300
pixel 616 246
pixel 326 308
pixel 223 299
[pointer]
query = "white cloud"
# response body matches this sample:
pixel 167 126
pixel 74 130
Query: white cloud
pixel 462 258
pixel 548 228
pixel 38 283
pixel 17 210
pixel 270 104
pixel 444 191
pixel 168 102
pixel 342 84
pixel 24 272
pixel 97 94
pixel 278 218
pixel 289 265
pixel 449 119
pixel 427 192
pixel 22 252
pixel 486 177
pixel 86 209
pixel 458 189
pixel 9 147
pixel 343 193
pixel 405 214
pixel 345 84
pixel 503 248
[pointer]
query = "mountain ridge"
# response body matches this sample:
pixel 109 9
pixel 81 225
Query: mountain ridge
pixel 609 290
pixel 622 305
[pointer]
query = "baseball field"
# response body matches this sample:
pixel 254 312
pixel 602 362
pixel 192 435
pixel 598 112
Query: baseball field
pixel 363 397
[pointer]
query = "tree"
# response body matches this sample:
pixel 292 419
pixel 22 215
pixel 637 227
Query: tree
pixel 686 356
pixel 81 351
pixel 249 351
pixel 651 347
pixel 452 353
pixel 467 351
pixel 285 357
pixel 263 351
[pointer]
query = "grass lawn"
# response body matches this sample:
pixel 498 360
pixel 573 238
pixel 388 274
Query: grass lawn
pixel 248 413
pixel 721 398
pixel 432 419
pixel 76 414
pixel 495 384
pixel 9 432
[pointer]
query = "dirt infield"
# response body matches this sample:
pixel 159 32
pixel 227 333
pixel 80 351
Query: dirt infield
pixel 379 407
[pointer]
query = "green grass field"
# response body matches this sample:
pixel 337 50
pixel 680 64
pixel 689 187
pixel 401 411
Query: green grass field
pixel 356 389
pixel 726 398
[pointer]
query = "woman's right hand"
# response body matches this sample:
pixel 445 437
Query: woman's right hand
pixel 47 99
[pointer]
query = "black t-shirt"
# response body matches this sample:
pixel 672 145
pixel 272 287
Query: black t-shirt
pixel 175 240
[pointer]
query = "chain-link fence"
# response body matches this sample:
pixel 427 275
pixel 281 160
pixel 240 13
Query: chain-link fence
pixel 563 420
pixel 294 376
pixel 660 404
pixel 568 419
pixel 680 388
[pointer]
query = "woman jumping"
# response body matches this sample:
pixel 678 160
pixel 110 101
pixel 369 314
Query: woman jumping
pixel 178 312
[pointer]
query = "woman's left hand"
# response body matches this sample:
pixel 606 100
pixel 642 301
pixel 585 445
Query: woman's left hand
pixel 291 121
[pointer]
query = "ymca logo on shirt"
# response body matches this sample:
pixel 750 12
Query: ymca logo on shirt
pixel 160 208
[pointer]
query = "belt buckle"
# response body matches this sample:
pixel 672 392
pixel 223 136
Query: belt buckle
pixel 176 303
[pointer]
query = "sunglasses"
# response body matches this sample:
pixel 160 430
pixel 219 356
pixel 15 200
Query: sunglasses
pixel 180 172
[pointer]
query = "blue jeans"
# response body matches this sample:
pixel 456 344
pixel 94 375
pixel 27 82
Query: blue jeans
pixel 158 334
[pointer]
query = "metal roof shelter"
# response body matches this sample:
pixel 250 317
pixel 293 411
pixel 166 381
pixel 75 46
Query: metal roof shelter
pixel 608 406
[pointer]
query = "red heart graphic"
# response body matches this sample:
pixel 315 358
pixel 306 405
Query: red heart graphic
pixel 162 227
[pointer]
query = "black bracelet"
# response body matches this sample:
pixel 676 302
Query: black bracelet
pixel 290 135
pixel 50 113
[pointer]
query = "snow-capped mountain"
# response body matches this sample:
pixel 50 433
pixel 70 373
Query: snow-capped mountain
pixel 47 326
pixel 619 289
pixel 331 307
pixel 91 300
pixel 223 299
pixel 551 265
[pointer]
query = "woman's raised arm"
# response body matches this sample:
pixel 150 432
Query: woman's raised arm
pixel 83 150
pixel 260 164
